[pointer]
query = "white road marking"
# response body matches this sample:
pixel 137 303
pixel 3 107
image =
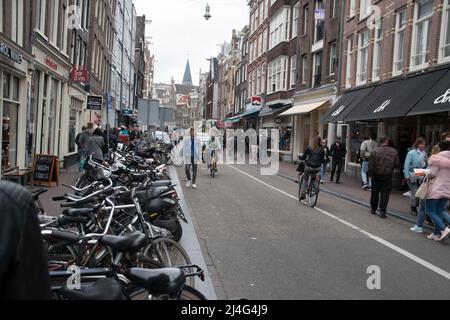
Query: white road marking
pixel 391 246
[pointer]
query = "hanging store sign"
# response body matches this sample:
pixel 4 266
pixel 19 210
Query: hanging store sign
pixel 79 74
pixel 256 101
pixel 10 53
pixel 94 103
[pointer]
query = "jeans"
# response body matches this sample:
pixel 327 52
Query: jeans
pixel 435 208
pixel 422 213
pixel 381 189
pixel 323 171
pixel 187 169
pixel 367 181
pixel 413 186
pixel 308 172
pixel 337 168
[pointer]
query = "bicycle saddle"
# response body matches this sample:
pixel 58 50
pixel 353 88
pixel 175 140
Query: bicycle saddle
pixel 78 212
pixel 158 281
pixel 103 289
pixel 132 242
pixel 161 183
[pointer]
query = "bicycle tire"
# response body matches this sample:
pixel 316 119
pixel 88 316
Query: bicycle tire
pixel 159 253
pixel 314 189
pixel 190 293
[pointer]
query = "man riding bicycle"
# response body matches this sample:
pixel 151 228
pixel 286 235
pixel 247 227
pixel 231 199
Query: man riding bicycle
pixel 315 157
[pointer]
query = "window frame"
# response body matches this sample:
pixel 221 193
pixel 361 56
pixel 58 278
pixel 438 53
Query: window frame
pixel 416 22
pixel 399 29
pixel 445 27
pixel 360 64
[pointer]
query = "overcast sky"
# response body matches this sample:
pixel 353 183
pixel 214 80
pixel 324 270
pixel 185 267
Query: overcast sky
pixel 179 30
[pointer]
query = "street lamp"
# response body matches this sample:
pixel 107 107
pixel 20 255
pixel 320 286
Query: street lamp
pixel 207 13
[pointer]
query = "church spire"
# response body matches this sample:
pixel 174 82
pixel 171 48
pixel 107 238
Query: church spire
pixel 187 78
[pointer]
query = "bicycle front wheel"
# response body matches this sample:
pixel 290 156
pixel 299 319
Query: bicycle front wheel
pixel 300 182
pixel 314 189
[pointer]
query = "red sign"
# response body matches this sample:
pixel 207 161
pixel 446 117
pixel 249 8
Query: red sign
pixel 52 64
pixel 79 74
pixel 256 101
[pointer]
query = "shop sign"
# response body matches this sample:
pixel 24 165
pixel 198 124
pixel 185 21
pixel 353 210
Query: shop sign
pixel 79 74
pixel 52 64
pixel 256 101
pixel 10 53
pixel 127 112
pixel 319 14
pixel 278 120
pixel 444 98
pixel 94 102
pixel 338 111
pixel 383 106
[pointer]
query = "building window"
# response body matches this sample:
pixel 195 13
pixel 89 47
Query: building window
pixel 279 28
pixel 53 31
pixel 400 28
pixel 258 80
pixel 363 48
pixel 421 34
pixel 377 51
pixel 266 8
pixel 264 41
pixel 352 8
pixel 293 78
pixel 64 30
pixel 295 17
pixel 364 9
pixel 277 75
pixel 17 22
pixel 40 15
pixel 305 19
pixel 319 29
pixel 348 79
pixel 304 68
pixel 317 69
pixel 332 57
pixel 445 33
pixel 334 8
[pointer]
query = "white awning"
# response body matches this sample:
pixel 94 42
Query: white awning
pixel 303 108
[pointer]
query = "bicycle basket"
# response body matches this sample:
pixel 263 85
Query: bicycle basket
pixel 121 220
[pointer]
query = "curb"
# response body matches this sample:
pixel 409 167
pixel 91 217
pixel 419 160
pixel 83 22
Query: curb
pixel 190 242
pixel 390 212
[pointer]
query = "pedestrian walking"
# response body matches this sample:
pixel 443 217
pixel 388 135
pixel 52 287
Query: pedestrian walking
pixel 83 141
pixel 81 157
pixel 366 149
pixel 95 145
pixel 324 167
pixel 338 151
pixel 382 162
pixel 416 158
pixel 439 190
pixel 192 152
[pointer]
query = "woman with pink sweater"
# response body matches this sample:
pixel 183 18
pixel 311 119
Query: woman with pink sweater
pixel 439 190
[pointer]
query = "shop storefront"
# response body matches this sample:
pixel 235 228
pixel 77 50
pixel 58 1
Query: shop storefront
pixel 402 110
pixel 270 119
pixel 14 82
pixel 52 103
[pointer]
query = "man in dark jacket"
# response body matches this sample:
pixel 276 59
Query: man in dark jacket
pixel 382 163
pixel 338 151
pixel 23 262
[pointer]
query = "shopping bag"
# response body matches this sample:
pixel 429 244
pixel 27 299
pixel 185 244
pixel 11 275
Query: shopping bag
pixel 423 189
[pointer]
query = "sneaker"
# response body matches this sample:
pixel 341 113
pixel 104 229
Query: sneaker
pixel 374 212
pixel 416 229
pixel 194 186
pixel 365 186
pixel 432 236
pixel 445 234
pixel 407 194
pixel 188 184
pixel 383 215
pixel 337 182
pixel 322 182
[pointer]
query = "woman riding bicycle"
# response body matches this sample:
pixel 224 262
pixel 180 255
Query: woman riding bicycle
pixel 211 151
pixel 315 157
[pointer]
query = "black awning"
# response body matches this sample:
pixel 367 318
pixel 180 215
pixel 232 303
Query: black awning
pixel 436 100
pixel 345 105
pixel 395 99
